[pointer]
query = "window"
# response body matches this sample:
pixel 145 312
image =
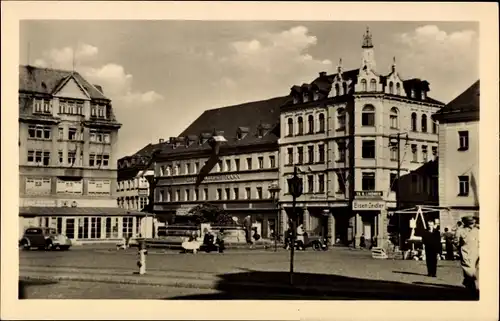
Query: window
pixel 368 181
pixel 373 85
pixel 272 161
pixel 368 116
pixel 236 193
pixel 228 193
pixel 425 155
pixel 344 88
pixel 341 150
pixel 414 153
pixel 186 195
pixel 38 156
pixel 300 152
pixel 363 85
pixel 424 123
pixel 423 95
pixel 321 153
pixel 176 169
pixel 220 166
pixel 412 93
pixel 368 149
pixel 259 193
pixel 83 227
pixel 434 127
pixel 391 88
pixel 261 162
pixel 237 164
pixel 177 195
pixel 414 122
pixel 111 227
pixel 228 165
pixel 60 133
pixel 39 131
pixel 310 154
pixel 321 183
pixel 95 227
pixel 463 185
pixel 394 153
pixel 249 163
pixel 310 183
pixel 321 118
pixel 341 118
pixel 434 152
pixel 205 194
pixel 393 182
pixel 393 117
pixel 247 193
pixel 310 121
pixel 290 127
pixel 61 157
pixel 71 157
pixel 290 156
pixel 398 89
pixel 301 126
pixel 31 156
pixel 105 160
pixel 127 225
pixel 337 90
pixel 463 140
pixel 305 97
pixel 188 168
pixel 340 183
pixel 196 167
pixel 161 196
pixel 219 194
pixel 72 134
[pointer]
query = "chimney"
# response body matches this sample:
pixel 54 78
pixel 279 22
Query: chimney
pixel 161 141
pixel 322 74
pixel 99 88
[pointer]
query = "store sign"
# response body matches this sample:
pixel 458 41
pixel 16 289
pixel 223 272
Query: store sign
pixel 215 178
pixel 38 186
pixel 99 187
pixel 368 194
pixel 368 205
pixel 69 187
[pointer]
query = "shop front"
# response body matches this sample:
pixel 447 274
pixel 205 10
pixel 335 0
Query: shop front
pixel 370 216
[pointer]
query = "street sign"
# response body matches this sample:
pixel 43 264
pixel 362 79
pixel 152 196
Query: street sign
pixel 368 194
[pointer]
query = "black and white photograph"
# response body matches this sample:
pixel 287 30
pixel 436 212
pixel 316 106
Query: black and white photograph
pixel 299 160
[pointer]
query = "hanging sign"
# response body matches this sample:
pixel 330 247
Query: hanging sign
pixel 368 205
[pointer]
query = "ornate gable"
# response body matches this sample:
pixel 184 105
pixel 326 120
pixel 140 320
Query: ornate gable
pixel 70 88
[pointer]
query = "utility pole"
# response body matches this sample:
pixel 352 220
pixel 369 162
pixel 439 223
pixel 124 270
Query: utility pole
pixel 397 143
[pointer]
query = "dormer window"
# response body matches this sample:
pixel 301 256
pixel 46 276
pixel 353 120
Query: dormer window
pixel 412 93
pixel 316 95
pixel 373 85
pixel 295 99
pixel 398 89
pixel 337 90
pixel 305 97
pixel 423 95
pixel 391 88
pixel 260 132
pixel 363 85
pixel 344 88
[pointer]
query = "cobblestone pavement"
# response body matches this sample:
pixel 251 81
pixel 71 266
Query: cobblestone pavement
pixel 338 267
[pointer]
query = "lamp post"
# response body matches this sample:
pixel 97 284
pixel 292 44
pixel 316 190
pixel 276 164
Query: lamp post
pixel 295 186
pixel 274 190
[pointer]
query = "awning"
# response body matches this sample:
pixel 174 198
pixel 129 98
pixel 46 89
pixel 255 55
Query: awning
pixel 78 211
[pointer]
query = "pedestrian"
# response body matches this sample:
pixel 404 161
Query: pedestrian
pixel 469 247
pixel 448 240
pixel 432 246
pixel 458 236
pixel 208 241
pixel 300 237
pixel 362 241
pixel 220 240
pixel 247 224
pixel 288 238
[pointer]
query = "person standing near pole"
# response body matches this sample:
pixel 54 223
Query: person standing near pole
pixel 469 248
pixel 432 246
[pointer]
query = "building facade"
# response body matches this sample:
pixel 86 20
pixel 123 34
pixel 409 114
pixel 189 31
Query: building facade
pixel 67 162
pixel 340 131
pixel 459 156
pixel 239 183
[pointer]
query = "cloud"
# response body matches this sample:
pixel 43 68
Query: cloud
pixel 446 58
pixel 116 82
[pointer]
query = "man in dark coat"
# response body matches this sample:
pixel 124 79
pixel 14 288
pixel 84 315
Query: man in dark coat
pixel 432 245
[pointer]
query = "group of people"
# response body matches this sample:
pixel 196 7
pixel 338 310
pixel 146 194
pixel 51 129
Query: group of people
pixel 210 242
pixel 299 239
pixel 465 239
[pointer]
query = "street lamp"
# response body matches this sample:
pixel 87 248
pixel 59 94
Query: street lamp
pixel 274 190
pixel 295 186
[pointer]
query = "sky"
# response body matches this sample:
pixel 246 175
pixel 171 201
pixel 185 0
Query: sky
pixel 161 75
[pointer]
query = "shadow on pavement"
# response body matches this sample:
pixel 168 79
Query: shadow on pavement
pixel 409 273
pixel 23 284
pixel 262 285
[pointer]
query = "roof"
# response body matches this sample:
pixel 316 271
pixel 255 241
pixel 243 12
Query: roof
pixel 46 81
pixel 77 211
pixel 464 107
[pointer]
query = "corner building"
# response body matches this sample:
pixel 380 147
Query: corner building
pixel 240 182
pixel 338 130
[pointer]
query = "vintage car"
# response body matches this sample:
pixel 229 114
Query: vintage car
pixel 44 238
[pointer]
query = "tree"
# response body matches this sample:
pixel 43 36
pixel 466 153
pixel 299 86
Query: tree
pixel 209 213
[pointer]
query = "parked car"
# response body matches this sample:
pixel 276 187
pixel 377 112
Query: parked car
pixel 44 238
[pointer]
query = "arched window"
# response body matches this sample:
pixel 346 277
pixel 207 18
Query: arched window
pixel 337 90
pixel 341 118
pixel 310 121
pixel 344 88
pixel 176 170
pixel 424 123
pixel 394 118
pixel 414 122
pixel 398 89
pixel 290 127
pixel 321 123
pixel 363 85
pixel 373 85
pixel 434 127
pixel 368 116
pixel 391 88
pixel 301 126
